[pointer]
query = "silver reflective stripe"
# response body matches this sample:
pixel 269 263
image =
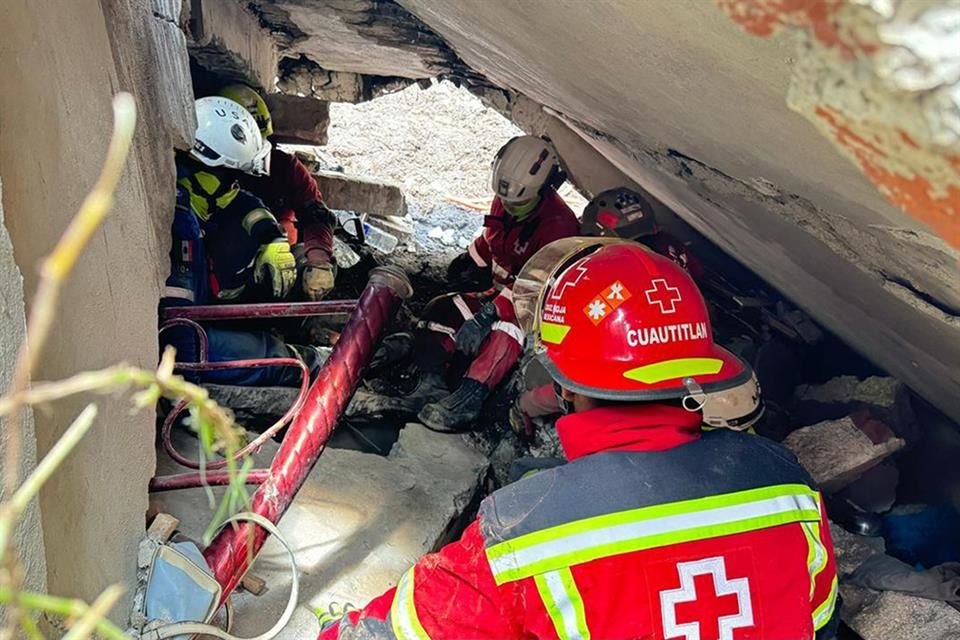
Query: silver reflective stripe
pixel 823 613
pixel 563 603
pixel 510 329
pixel 593 538
pixel 472 250
pixel 439 328
pixel 251 219
pixel 403 611
pixel 463 307
pixel 499 270
pixel 178 292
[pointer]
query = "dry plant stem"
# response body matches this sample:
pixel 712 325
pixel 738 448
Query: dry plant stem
pixel 87 623
pixel 62 607
pixel 14 508
pixel 56 268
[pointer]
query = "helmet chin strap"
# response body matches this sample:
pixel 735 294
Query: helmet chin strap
pixel 566 407
pixel 695 398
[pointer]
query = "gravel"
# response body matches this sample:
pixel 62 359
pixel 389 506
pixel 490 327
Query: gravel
pixel 436 144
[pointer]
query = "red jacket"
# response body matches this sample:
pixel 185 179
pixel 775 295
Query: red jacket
pixel 506 244
pixel 289 191
pixel 650 530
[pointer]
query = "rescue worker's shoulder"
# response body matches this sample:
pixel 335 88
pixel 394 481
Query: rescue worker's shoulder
pixel 720 462
pixel 246 201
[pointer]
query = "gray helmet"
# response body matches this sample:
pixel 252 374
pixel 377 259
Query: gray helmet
pixel 619 213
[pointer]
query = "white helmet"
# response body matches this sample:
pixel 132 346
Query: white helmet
pixel 522 167
pixel 228 136
pixel 736 408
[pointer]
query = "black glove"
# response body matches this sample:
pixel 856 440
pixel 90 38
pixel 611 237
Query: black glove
pixel 473 332
pixel 317 213
pixel 463 274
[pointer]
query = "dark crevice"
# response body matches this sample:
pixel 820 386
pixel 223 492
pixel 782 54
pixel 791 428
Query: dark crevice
pixel 923 296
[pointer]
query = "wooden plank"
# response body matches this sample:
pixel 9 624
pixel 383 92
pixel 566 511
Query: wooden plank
pixel 162 527
pixel 254 584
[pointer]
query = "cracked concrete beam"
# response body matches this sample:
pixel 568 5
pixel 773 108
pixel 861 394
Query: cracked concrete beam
pixel 229 40
pixel 881 80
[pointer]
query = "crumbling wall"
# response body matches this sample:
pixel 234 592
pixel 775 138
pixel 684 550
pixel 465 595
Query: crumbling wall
pixel 29 535
pixel 63 63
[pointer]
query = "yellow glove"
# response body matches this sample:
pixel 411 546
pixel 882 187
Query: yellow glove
pixel 332 614
pixel 318 280
pixel 276 263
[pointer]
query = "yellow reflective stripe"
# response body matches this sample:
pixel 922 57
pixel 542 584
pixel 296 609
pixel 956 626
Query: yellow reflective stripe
pixel 650 527
pixel 816 553
pixel 672 369
pixel 403 613
pixel 823 613
pixel 254 217
pixel 562 600
pixel 553 333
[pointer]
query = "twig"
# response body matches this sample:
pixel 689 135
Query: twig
pixel 50 463
pixel 62 607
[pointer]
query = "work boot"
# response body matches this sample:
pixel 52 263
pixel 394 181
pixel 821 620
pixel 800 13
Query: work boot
pixel 392 350
pixel 458 411
pixel 375 406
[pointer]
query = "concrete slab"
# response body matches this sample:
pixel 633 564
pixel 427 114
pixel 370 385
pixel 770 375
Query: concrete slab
pixel 299 120
pixel 359 522
pixel 837 452
pixel 352 193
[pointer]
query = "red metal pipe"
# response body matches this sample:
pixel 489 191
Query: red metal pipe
pixel 210 478
pixel 232 551
pixel 258 310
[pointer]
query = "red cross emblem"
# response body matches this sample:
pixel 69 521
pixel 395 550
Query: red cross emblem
pixel 707 605
pixel 663 295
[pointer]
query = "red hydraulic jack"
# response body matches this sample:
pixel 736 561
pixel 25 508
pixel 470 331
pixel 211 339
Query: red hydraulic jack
pixel 233 550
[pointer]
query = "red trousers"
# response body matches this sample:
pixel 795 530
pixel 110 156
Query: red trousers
pixel 444 315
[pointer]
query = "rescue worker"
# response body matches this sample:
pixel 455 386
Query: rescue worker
pixel 620 212
pixel 227 247
pixel 653 529
pixel 480 324
pixel 292 195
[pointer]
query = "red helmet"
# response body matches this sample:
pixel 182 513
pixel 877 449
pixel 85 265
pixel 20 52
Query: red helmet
pixel 620 322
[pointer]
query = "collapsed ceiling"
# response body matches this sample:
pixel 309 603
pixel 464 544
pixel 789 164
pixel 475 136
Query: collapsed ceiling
pixel 816 141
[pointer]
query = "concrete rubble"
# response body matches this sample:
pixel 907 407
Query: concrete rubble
pixel 353 193
pixel 837 452
pixel 887 615
pixel 357 525
pixel 887 399
pixel 298 120
pixel 254 407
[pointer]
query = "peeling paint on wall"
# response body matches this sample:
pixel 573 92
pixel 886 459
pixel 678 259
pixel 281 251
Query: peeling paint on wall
pixel 881 80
